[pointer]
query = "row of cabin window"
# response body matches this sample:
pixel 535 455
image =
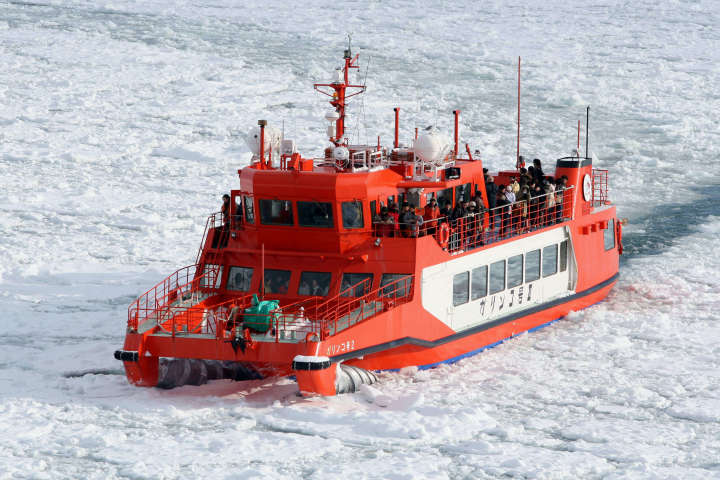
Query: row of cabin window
pixel 517 270
pixel 311 283
pixel 320 214
pixel 309 214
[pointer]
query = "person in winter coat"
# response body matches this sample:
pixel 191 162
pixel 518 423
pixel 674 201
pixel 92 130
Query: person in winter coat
pixel 384 223
pixel 430 214
pixel 559 198
pixel 491 189
pixel 538 171
pixel 525 199
pixel 549 202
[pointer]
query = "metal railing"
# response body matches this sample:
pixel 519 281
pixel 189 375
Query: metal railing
pixel 344 310
pixel 600 187
pixel 292 323
pixel 473 230
pixel 178 287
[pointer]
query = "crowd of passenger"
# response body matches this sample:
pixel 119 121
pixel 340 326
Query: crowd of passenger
pixel 530 200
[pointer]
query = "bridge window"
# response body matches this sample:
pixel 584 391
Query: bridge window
pixel 532 266
pixel 277 281
pixel 315 214
pixel 549 260
pixel 237 213
pixel 609 235
pixel 352 214
pixel 249 210
pixel 276 212
pixel 239 278
pixel 515 271
pixel 211 276
pixel 497 277
pixel 479 282
pixel 563 255
pixel 462 192
pixel 355 284
pixel 316 284
pixel 445 197
pixel 460 288
pixel 398 284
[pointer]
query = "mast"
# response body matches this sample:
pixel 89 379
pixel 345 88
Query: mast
pixel 339 93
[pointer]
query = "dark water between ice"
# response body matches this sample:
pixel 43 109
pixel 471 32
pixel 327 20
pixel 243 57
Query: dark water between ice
pixel 663 224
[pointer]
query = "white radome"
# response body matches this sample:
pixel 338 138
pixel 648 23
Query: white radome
pixel 272 139
pixel 432 146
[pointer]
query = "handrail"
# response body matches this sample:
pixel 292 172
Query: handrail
pixel 210 223
pixel 176 285
pixel 328 317
pixel 489 226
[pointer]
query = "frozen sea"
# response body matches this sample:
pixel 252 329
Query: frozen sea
pixel 121 124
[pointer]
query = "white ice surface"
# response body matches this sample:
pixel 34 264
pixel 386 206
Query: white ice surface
pixel 121 125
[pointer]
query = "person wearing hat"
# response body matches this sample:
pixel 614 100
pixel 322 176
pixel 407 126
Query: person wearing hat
pixel 385 224
pixel 430 214
pixel 225 211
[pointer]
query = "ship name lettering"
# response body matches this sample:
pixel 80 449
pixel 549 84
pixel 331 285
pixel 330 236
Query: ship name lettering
pixel 512 298
pixel 340 348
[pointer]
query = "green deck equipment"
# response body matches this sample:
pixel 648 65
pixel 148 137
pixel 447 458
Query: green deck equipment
pixel 259 316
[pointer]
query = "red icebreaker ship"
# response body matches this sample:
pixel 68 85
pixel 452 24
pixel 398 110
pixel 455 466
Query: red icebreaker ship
pixel 311 270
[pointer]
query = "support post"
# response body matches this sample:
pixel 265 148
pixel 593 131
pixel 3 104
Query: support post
pixel 457 114
pixel 262 124
pixel 397 126
pixel 517 159
pixel 587 131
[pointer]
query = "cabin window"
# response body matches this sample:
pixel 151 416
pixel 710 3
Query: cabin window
pixel 356 284
pixel 532 266
pixel 276 212
pixel 479 282
pixel 315 214
pixel 428 197
pixel 462 192
pixel 238 211
pixel 460 288
pixel 249 210
pixel 239 278
pixel 563 255
pixel 352 214
pixel 316 284
pixel 211 276
pixel 549 260
pixel 515 271
pixel 445 197
pixel 497 277
pixel 277 281
pixel 609 235
pixel 398 284
pixel 413 198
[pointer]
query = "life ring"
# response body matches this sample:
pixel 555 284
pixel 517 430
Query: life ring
pixel 312 337
pixel 444 236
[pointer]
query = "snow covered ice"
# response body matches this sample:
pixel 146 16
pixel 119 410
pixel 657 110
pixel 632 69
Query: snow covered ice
pixel 121 125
